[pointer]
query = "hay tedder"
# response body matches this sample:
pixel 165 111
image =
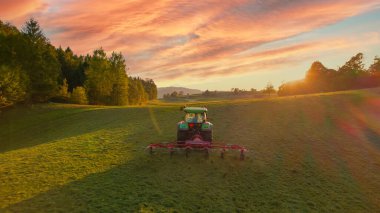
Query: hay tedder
pixel 196 133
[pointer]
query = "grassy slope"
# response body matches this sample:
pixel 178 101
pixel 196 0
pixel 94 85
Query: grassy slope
pixel 308 153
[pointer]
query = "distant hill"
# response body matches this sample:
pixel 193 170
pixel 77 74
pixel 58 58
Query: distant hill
pixel 166 90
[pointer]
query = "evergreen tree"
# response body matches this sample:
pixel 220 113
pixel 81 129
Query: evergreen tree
pixel 41 64
pixel 72 68
pixel 33 32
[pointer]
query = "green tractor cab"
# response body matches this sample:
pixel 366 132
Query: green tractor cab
pixel 194 124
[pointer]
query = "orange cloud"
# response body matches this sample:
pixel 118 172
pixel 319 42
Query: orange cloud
pixel 270 59
pixel 168 39
pixel 18 10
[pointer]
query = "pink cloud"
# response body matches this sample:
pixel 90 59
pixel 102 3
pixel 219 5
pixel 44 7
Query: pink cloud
pixel 17 11
pixel 164 39
pixel 270 59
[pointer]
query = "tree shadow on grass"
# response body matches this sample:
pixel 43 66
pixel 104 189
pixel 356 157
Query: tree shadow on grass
pixel 180 184
pixel 55 124
pixel 146 183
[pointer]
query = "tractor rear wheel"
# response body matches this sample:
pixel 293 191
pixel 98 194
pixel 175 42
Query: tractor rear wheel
pixel 207 136
pixel 181 135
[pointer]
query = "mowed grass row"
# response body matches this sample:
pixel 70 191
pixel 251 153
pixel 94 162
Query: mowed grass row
pixel 307 153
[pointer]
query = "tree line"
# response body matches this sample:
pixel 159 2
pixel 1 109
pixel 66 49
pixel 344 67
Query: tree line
pixel 352 75
pixel 32 70
pixel 318 79
pixel 268 90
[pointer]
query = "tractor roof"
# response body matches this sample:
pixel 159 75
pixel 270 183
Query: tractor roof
pixel 195 109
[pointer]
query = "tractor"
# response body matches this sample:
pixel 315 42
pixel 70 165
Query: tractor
pixel 196 133
pixel 195 124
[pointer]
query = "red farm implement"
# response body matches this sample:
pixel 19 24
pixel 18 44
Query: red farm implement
pixel 195 133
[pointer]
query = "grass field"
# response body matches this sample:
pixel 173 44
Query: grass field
pixel 317 153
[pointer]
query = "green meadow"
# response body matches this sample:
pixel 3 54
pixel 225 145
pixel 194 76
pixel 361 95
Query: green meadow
pixel 312 153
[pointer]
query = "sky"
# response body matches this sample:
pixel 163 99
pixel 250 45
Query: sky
pixel 210 44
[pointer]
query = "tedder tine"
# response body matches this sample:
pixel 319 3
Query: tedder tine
pixel 222 153
pixel 187 151
pixel 150 150
pixel 242 154
pixel 207 152
pixel 201 146
pixel 171 149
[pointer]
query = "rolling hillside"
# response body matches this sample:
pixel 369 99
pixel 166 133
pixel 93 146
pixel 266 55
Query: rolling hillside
pixel 307 153
pixel 168 90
